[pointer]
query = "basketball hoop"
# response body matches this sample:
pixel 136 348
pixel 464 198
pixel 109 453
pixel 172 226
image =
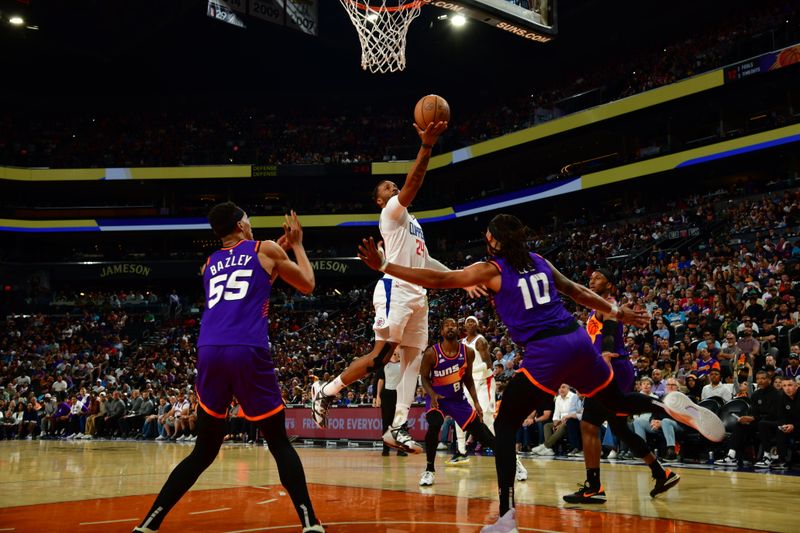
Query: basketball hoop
pixel 382 31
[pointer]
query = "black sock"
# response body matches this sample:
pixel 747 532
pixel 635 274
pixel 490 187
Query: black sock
pixel 211 432
pixel 593 477
pixel 430 468
pixel 290 469
pixel 431 442
pixel 505 463
pixel 506 499
pixel 657 470
pixel 482 433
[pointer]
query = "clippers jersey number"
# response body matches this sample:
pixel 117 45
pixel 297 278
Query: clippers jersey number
pixel 229 288
pixel 541 289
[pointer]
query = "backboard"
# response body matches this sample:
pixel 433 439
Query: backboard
pixel 530 19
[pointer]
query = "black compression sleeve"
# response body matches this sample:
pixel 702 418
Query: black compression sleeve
pixel 609 335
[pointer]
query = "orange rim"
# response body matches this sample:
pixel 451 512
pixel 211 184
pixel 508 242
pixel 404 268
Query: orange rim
pixel 365 7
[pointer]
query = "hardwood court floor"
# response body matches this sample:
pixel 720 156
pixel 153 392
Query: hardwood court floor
pixel 108 486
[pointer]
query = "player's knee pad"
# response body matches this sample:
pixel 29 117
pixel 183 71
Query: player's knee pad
pixel 434 418
pixel 619 426
pixel 504 422
pixel 594 413
pixel 481 432
pixel 381 358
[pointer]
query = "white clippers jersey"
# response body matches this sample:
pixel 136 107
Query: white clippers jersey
pixel 479 368
pixel 403 240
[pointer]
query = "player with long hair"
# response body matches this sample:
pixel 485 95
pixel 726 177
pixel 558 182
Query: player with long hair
pixel 526 291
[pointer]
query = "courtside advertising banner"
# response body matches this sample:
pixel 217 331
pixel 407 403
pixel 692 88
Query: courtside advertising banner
pixel 351 423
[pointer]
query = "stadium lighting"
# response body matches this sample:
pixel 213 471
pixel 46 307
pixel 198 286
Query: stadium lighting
pixel 458 20
pixel 16 20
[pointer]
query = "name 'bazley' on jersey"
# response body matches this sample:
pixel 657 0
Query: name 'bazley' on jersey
pixel 233 260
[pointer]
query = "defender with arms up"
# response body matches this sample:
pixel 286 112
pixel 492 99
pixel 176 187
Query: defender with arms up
pixel 234 356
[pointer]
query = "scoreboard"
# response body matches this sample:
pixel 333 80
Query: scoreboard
pixel 535 20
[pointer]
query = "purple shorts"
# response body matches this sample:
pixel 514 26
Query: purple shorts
pixel 623 373
pixel 455 406
pixel 246 372
pixel 570 359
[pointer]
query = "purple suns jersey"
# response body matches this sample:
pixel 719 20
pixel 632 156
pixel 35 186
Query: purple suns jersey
pixel 528 302
pixel 448 371
pixel 237 298
pixel 595 330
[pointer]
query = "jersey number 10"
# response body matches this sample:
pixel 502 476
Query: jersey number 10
pixel 234 287
pixel 541 289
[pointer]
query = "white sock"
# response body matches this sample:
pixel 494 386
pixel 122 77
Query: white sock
pixel 400 415
pixel 461 440
pixel 333 388
pixel 732 454
pixel 410 359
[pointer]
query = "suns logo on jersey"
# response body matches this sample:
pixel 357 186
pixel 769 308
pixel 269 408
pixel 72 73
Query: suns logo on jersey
pixel 594 327
pixel 447 371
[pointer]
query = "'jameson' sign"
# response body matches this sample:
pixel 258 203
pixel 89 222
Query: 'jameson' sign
pixel 125 269
pixel 330 266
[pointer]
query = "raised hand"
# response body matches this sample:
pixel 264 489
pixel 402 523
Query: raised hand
pixel 476 291
pixel 431 134
pixel 636 317
pixel 292 230
pixel 283 242
pixel 372 256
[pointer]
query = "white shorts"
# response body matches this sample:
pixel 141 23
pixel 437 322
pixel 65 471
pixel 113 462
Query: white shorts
pixel 486 389
pixel 400 316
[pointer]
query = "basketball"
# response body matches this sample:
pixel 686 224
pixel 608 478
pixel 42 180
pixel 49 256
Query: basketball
pixel 787 57
pixel 431 108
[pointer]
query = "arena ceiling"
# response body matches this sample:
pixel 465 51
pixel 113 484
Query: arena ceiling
pixel 117 51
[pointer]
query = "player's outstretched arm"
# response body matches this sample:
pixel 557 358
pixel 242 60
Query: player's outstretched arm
pixel 299 275
pixel 584 296
pixel 416 174
pixel 430 262
pixel 477 274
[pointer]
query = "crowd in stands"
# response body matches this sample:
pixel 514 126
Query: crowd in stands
pixel 723 300
pixel 284 136
pixel 99 366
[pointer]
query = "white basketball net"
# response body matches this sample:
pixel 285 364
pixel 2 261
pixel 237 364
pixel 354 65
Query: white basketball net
pixel 382 31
